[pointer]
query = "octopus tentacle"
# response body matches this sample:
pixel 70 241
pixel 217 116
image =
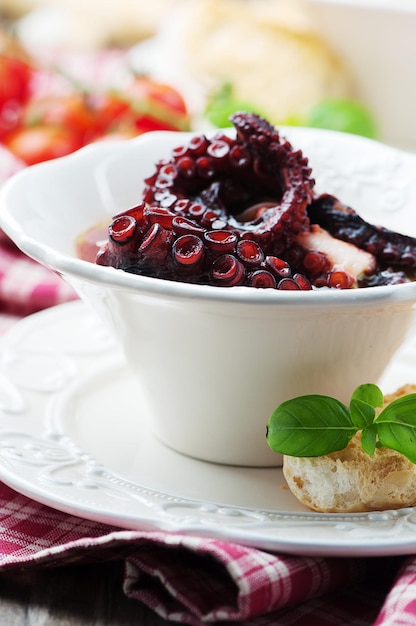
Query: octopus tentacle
pixel 389 247
pixel 241 210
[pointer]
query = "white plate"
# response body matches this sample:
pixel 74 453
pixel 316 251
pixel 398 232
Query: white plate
pixel 72 437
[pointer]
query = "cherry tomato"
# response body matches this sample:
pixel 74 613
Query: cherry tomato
pixel 15 87
pixel 147 123
pixel 111 113
pixel 33 144
pixel 144 105
pixel 146 89
pixel 156 106
pixel 72 111
pixel 15 80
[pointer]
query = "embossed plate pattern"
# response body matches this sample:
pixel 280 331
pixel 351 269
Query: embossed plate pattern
pixel 72 437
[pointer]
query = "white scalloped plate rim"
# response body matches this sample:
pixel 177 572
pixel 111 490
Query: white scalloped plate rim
pixel 40 458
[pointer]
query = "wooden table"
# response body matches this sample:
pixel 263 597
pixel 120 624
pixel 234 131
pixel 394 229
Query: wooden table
pixel 71 596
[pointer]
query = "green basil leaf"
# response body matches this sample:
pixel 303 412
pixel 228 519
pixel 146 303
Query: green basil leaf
pixel 309 426
pixel 223 103
pixel 362 414
pixel 369 439
pixel 370 394
pixel 396 426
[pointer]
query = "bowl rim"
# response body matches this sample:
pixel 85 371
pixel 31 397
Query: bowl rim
pixel 69 265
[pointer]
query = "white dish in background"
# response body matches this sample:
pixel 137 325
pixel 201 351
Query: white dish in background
pixel 62 380
pixel 376 38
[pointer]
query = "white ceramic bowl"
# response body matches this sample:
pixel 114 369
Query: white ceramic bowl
pixel 376 39
pixel 212 363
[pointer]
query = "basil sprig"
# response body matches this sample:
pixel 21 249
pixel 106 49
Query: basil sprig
pixel 315 425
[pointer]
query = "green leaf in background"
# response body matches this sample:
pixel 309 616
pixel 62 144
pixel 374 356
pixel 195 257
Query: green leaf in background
pixel 310 426
pixel 348 116
pixel 396 426
pixel 223 103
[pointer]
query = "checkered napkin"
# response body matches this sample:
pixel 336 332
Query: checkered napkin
pixel 26 286
pixel 193 580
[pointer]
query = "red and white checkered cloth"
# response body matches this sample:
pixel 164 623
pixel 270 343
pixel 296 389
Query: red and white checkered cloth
pixel 193 580
pixel 26 286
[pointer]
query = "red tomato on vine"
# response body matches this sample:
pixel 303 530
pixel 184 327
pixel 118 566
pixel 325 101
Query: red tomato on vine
pixel 37 127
